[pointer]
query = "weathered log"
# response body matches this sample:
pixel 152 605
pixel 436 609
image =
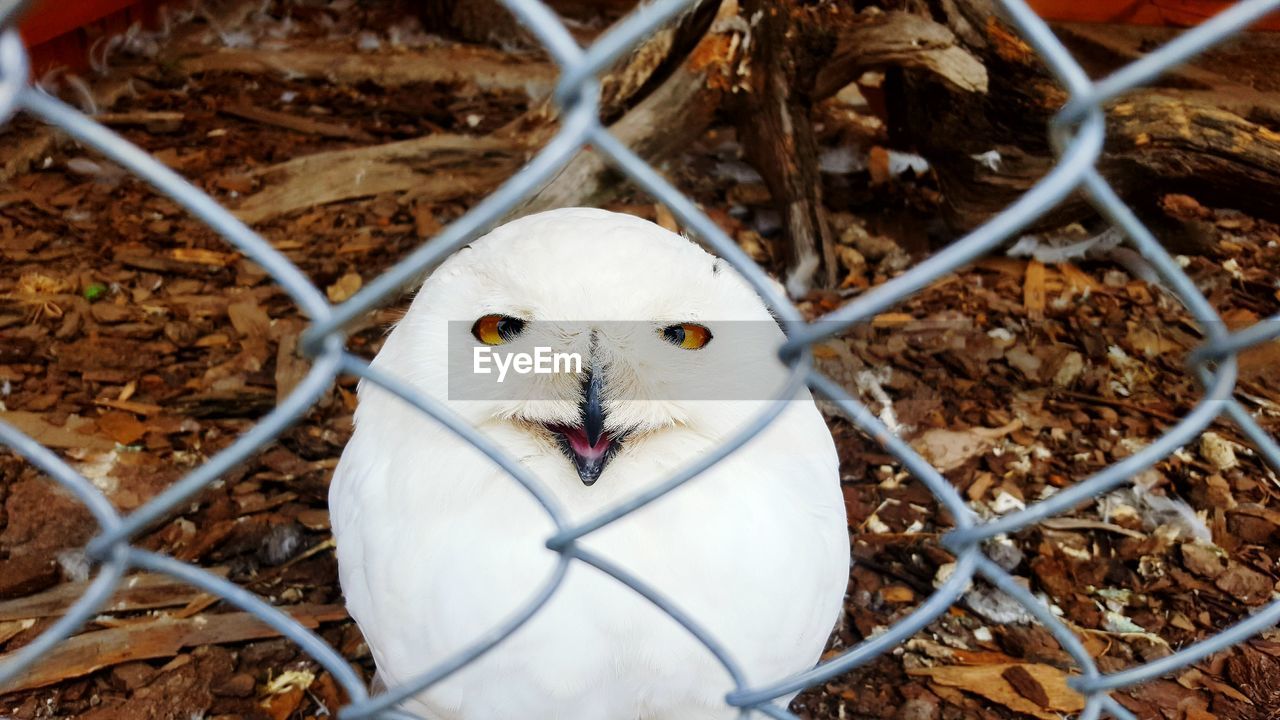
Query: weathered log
pixel 801 55
pixel 446 166
pixel 1199 133
pixel 777 134
pixel 876 40
pixel 1171 144
pixel 669 118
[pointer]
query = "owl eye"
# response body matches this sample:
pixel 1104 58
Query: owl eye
pixel 688 336
pixel 497 329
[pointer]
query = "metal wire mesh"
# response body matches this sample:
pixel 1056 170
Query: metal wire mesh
pixel 1077 131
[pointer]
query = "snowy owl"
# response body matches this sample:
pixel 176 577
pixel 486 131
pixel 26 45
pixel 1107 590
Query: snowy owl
pixel 436 545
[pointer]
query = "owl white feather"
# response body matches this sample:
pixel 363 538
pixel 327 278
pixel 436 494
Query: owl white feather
pixel 437 546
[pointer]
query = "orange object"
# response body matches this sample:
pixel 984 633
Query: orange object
pixel 60 32
pixel 1175 13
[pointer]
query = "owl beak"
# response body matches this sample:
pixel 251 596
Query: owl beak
pixel 592 408
pixel 591 459
pixel 588 445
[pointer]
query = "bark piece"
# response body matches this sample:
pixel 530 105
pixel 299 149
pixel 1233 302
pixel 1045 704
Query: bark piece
pixel 484 68
pixel 989 681
pixel 441 167
pixel 1026 685
pixel 1201 133
pixel 160 637
pixel 777 135
pixel 444 167
pixel 297 123
pixel 899 39
pixel 143 591
pixel 669 118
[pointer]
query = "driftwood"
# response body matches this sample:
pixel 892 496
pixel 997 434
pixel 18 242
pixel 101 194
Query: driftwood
pixel 801 55
pixel 958 85
pixel 1200 132
pixel 877 40
pixel 440 167
pixel 1174 144
pixel 445 166
pixel 669 118
pixel 297 123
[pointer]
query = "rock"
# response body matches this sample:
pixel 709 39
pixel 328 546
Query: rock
pixel 1004 553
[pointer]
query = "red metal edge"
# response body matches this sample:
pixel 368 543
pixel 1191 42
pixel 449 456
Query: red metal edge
pixel 50 18
pixel 1173 13
pixel 61 32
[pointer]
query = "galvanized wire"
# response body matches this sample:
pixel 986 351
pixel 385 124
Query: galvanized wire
pixel 1077 131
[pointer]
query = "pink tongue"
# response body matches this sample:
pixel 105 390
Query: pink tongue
pixel 578 441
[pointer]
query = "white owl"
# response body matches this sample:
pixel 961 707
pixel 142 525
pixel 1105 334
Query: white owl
pixel 437 545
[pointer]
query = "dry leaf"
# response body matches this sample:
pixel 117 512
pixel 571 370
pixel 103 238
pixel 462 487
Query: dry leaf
pixel 121 427
pixel 49 435
pixel 949 449
pixel 898 594
pixel 290 368
pixel 290 679
pixel 1246 585
pixel 989 681
pixel 1219 451
pixel 878 165
pixel 345 287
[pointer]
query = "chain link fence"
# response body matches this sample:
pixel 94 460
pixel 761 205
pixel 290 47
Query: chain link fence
pixel 1077 132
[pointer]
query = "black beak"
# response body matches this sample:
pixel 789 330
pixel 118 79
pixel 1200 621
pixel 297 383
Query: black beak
pixel 590 465
pixel 592 410
pixel 588 445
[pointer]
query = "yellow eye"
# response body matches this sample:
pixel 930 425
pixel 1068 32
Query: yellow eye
pixel 496 329
pixel 688 336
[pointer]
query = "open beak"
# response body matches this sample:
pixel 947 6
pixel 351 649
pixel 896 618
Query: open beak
pixel 588 445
